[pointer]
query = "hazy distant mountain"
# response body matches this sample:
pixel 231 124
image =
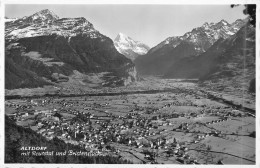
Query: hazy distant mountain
pixel 129 47
pixel 43 48
pixel 161 57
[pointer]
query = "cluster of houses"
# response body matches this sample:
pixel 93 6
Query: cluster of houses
pixel 133 129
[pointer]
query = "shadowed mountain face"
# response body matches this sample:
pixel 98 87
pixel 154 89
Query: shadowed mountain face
pixel 158 62
pixel 161 57
pixel 42 45
pixel 229 62
pixel 224 59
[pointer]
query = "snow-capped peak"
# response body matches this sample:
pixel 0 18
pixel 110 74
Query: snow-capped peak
pixel 45 22
pixel 129 47
pixel 122 35
pixel 46 12
pixel 224 22
pixel 42 16
pixel 122 38
pixel 10 19
pixel 205 24
pixel 204 36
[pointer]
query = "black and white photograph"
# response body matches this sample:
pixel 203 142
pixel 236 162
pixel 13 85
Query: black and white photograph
pixel 131 83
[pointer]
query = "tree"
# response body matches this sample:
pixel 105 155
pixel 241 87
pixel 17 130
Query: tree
pixel 57 115
pixel 253 134
pixel 252 87
pixel 174 141
pixel 250 9
pixel 209 154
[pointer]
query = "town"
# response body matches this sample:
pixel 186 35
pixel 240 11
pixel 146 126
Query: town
pixel 182 127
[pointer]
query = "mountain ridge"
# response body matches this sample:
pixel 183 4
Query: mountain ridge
pixel 198 39
pixel 228 62
pixel 45 45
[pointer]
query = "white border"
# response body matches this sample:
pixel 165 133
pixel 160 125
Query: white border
pixel 184 2
pixel 172 2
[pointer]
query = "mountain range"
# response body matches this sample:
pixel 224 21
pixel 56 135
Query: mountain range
pixel 220 55
pixel 226 57
pixel 160 58
pixel 43 49
pixel 129 47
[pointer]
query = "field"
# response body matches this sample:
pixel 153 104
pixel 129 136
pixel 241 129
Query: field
pixel 172 122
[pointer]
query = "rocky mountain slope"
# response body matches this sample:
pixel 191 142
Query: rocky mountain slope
pixel 228 64
pixel 225 55
pixel 161 57
pixel 45 49
pixel 129 47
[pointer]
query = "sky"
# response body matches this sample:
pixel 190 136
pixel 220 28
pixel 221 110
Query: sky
pixel 150 24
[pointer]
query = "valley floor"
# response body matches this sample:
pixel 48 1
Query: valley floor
pixel 153 120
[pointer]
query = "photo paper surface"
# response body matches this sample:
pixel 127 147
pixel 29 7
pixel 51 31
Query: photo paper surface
pixel 130 83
